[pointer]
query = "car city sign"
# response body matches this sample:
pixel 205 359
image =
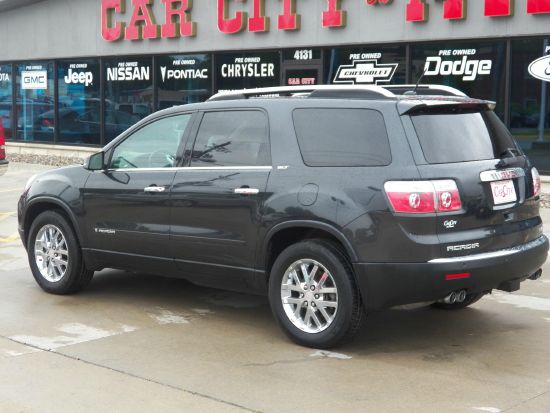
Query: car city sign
pixel 140 23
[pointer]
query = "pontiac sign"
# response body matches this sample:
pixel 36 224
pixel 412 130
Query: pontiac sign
pixel 140 22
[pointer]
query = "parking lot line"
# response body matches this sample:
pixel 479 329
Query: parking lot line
pixel 10 190
pixel 4 215
pixel 12 238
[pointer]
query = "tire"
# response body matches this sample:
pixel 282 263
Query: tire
pixel 67 278
pixel 469 300
pixel 333 324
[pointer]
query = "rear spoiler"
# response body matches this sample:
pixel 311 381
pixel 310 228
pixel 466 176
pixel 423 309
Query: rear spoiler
pixel 408 106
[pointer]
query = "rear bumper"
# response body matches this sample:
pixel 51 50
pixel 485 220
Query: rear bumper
pixel 385 284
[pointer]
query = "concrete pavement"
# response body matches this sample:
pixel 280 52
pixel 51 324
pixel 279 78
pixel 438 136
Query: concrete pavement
pixel 136 342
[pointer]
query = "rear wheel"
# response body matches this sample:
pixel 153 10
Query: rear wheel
pixel 313 295
pixel 469 300
pixel 55 257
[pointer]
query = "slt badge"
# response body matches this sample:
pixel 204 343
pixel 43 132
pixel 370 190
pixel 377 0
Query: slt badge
pixel 450 223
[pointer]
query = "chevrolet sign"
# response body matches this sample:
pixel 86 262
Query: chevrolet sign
pixel 365 72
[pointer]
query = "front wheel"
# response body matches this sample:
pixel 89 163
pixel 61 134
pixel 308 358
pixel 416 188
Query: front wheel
pixel 55 257
pixel 313 295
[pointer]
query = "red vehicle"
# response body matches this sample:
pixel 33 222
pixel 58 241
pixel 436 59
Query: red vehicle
pixel 3 161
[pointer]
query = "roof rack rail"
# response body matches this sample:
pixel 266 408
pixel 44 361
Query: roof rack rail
pixel 427 89
pixel 314 91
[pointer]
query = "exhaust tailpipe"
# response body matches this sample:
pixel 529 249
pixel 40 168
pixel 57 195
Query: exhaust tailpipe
pixel 450 299
pixel 536 275
pixel 454 297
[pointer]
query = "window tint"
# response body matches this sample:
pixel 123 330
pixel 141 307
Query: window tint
pixel 342 137
pixel 6 104
pixel 78 88
pixel 153 146
pixel 35 102
pixel 454 136
pixel 128 90
pixel 234 138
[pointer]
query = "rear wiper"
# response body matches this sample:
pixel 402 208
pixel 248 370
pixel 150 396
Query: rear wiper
pixel 508 157
pixel 509 153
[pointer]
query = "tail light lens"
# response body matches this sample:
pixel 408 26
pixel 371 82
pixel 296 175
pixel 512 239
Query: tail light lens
pixel 47 123
pixel 536 181
pixel 423 197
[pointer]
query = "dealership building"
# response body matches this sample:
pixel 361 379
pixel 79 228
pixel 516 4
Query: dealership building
pixel 79 72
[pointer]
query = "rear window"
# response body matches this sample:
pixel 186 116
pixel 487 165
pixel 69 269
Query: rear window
pixel 342 137
pixel 456 135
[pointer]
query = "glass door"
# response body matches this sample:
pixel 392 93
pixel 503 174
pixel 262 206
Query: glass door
pixel 302 67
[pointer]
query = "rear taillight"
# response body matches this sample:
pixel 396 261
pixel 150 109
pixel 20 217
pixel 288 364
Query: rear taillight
pixel 536 181
pixel 423 197
pixel 47 123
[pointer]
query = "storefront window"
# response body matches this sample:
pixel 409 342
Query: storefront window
pixel 183 79
pixel 476 68
pixel 247 70
pixel 128 94
pixel 529 99
pixel 6 103
pixel 79 102
pixel 365 65
pixel 35 102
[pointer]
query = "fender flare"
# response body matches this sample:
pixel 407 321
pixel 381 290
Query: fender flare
pixel 308 224
pixel 59 203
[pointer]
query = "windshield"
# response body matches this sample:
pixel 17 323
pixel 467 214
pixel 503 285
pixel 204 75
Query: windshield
pixel 459 135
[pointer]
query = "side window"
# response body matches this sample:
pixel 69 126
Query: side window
pixel 342 137
pixel 232 138
pixel 153 146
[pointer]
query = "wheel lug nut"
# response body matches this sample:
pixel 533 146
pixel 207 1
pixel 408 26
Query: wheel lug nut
pixel 316 296
pixel 312 288
pixel 312 304
pixel 305 303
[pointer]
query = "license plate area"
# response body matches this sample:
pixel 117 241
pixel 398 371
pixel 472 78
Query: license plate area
pixel 504 192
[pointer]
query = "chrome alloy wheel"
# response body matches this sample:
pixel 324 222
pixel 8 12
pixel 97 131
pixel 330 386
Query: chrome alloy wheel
pixel 51 253
pixel 309 296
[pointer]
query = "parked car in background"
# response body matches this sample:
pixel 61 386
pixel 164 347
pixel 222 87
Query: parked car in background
pixel 334 201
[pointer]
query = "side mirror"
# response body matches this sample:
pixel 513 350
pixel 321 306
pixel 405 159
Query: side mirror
pixel 95 162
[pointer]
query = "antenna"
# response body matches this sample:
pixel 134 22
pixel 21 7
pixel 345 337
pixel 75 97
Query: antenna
pixel 419 80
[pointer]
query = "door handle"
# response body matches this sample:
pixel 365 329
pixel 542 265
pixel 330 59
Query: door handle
pixel 154 189
pixel 246 191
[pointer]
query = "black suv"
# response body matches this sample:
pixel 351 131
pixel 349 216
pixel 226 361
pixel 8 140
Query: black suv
pixel 335 201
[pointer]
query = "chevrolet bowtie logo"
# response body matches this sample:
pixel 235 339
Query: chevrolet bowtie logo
pixel 365 72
